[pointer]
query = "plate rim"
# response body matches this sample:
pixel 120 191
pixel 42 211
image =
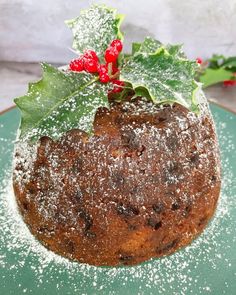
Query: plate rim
pixel 7 110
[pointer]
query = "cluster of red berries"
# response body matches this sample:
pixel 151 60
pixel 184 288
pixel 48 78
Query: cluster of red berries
pixel 230 82
pixel 226 83
pixel 199 60
pixel 108 72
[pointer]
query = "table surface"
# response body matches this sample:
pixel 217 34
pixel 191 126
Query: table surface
pixel 15 77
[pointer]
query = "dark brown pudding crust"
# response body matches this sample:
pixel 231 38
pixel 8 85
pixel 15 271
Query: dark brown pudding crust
pixel 145 185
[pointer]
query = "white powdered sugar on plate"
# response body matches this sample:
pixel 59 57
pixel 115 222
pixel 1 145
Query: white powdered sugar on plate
pixel 179 273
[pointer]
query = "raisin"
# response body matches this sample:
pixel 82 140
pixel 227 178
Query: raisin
pixel 141 151
pixel 155 178
pixel 70 246
pixel 127 210
pixel 132 227
pixel 158 225
pixel 90 234
pixel 153 223
pixel 78 194
pixel 175 206
pixel 172 142
pixel 32 190
pixel 25 205
pixel 44 230
pixel 194 158
pixel 124 110
pixel 203 221
pixel 158 208
pixel 86 218
pixel 45 140
pixel 213 178
pixel 129 139
pixel 142 171
pixel 134 190
pixel 168 246
pixel 125 257
pixel 60 218
pixel 162 119
pixel 77 166
pixel 173 167
pixel 118 120
pixel 118 179
pixel 187 210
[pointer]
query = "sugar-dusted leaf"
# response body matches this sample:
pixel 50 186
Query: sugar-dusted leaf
pixel 95 28
pixel 135 47
pixel 166 77
pixel 142 91
pixel 176 50
pixel 59 102
pixel 214 76
pixel 150 45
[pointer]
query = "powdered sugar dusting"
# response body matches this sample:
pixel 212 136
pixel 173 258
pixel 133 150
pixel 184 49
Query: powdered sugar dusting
pixel 137 137
pixel 190 271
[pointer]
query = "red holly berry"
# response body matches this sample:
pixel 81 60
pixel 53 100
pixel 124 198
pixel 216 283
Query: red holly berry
pixel 117 44
pixel 103 74
pixel 104 78
pixel 199 60
pixel 90 65
pixel 118 86
pixel 230 83
pixel 111 54
pixel 77 65
pixel 90 54
pixel 90 61
pixel 103 69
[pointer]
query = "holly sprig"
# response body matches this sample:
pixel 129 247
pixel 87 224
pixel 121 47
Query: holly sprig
pixel 217 69
pixel 67 99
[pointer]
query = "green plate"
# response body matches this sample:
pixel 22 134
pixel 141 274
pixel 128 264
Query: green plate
pixel 207 266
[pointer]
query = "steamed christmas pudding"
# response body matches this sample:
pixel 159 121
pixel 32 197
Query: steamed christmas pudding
pixel 117 159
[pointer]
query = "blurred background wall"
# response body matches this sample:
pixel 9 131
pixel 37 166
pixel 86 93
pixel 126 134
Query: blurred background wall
pixel 33 30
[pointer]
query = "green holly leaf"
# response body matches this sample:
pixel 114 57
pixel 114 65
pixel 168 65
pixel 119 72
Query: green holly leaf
pixel 216 61
pixel 135 47
pixel 60 101
pixel 167 78
pixel 230 63
pixel 150 45
pixel 214 76
pixel 95 28
pixel 176 50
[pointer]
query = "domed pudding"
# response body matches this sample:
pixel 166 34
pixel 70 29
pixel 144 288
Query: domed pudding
pixel 117 159
pixel 145 184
